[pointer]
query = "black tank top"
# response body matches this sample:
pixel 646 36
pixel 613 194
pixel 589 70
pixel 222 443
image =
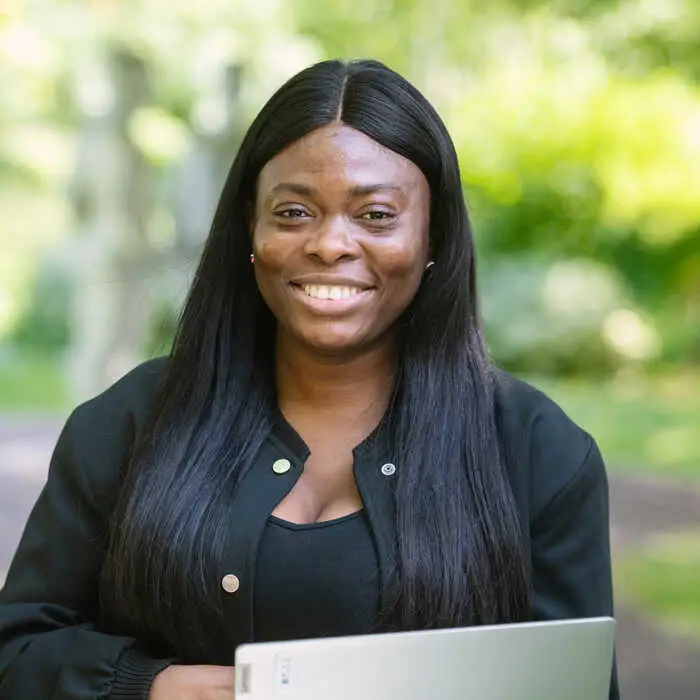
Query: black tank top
pixel 316 580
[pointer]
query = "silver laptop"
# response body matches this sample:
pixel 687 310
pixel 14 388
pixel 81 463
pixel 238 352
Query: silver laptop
pixel 560 660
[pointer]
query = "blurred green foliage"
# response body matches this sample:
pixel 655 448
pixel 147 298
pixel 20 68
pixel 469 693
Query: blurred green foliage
pixel 640 423
pixel 32 382
pixel 577 124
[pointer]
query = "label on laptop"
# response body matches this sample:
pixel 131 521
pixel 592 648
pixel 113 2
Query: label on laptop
pixel 283 673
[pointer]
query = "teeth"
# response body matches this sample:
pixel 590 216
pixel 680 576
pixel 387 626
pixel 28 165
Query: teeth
pixel 327 292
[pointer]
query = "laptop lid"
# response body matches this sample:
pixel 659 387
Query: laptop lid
pixel 557 660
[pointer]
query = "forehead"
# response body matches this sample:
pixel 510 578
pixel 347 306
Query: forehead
pixel 336 153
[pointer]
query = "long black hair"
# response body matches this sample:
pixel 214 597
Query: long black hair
pixel 459 542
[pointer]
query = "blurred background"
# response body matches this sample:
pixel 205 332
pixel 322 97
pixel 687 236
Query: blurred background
pixel 577 124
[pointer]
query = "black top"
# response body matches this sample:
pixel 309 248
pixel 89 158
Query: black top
pixel 315 580
pixel 52 647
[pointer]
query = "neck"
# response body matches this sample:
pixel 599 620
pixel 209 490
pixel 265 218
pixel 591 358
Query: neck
pixel 308 379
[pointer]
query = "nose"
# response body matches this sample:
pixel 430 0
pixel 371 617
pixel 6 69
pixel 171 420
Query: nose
pixel 332 241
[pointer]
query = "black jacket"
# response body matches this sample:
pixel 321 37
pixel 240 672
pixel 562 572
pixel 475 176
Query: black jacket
pixel 50 646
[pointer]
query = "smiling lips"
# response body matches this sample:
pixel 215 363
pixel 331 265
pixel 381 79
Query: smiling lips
pixel 339 298
pixel 335 292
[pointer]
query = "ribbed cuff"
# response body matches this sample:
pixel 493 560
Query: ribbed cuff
pixel 134 675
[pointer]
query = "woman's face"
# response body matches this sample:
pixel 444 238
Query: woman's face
pixel 340 238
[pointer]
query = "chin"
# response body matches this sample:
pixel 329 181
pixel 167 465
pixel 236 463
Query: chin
pixel 333 339
pixel 335 342
pixel 334 345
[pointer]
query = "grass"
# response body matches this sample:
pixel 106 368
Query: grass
pixel 645 424
pixel 663 577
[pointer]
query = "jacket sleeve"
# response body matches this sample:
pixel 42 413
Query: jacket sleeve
pixel 50 645
pixel 571 565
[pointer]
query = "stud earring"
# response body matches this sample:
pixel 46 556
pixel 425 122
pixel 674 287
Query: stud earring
pixel 252 258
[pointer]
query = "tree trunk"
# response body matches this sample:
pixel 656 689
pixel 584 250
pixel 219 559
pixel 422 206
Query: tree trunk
pixel 113 195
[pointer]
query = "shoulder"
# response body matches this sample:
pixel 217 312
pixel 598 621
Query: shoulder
pixel 530 412
pixel 546 452
pixel 128 399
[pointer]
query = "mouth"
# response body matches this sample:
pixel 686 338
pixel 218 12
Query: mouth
pixel 330 297
pixel 330 292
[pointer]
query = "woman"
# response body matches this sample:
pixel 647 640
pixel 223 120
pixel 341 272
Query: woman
pixel 326 451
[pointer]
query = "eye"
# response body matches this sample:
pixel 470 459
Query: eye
pixel 377 215
pixel 292 213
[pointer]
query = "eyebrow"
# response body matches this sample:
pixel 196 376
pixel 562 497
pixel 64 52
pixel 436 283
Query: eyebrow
pixel 355 191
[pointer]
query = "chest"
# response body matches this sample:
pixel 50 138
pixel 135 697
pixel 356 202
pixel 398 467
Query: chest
pixel 315 580
pixel 326 489
pixel 264 490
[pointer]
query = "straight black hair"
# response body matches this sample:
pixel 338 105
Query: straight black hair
pixel 459 540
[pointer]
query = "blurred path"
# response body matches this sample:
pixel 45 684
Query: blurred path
pixel 653 665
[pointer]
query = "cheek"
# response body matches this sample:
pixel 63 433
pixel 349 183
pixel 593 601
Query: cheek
pixel 270 257
pixel 404 259
pixel 271 249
